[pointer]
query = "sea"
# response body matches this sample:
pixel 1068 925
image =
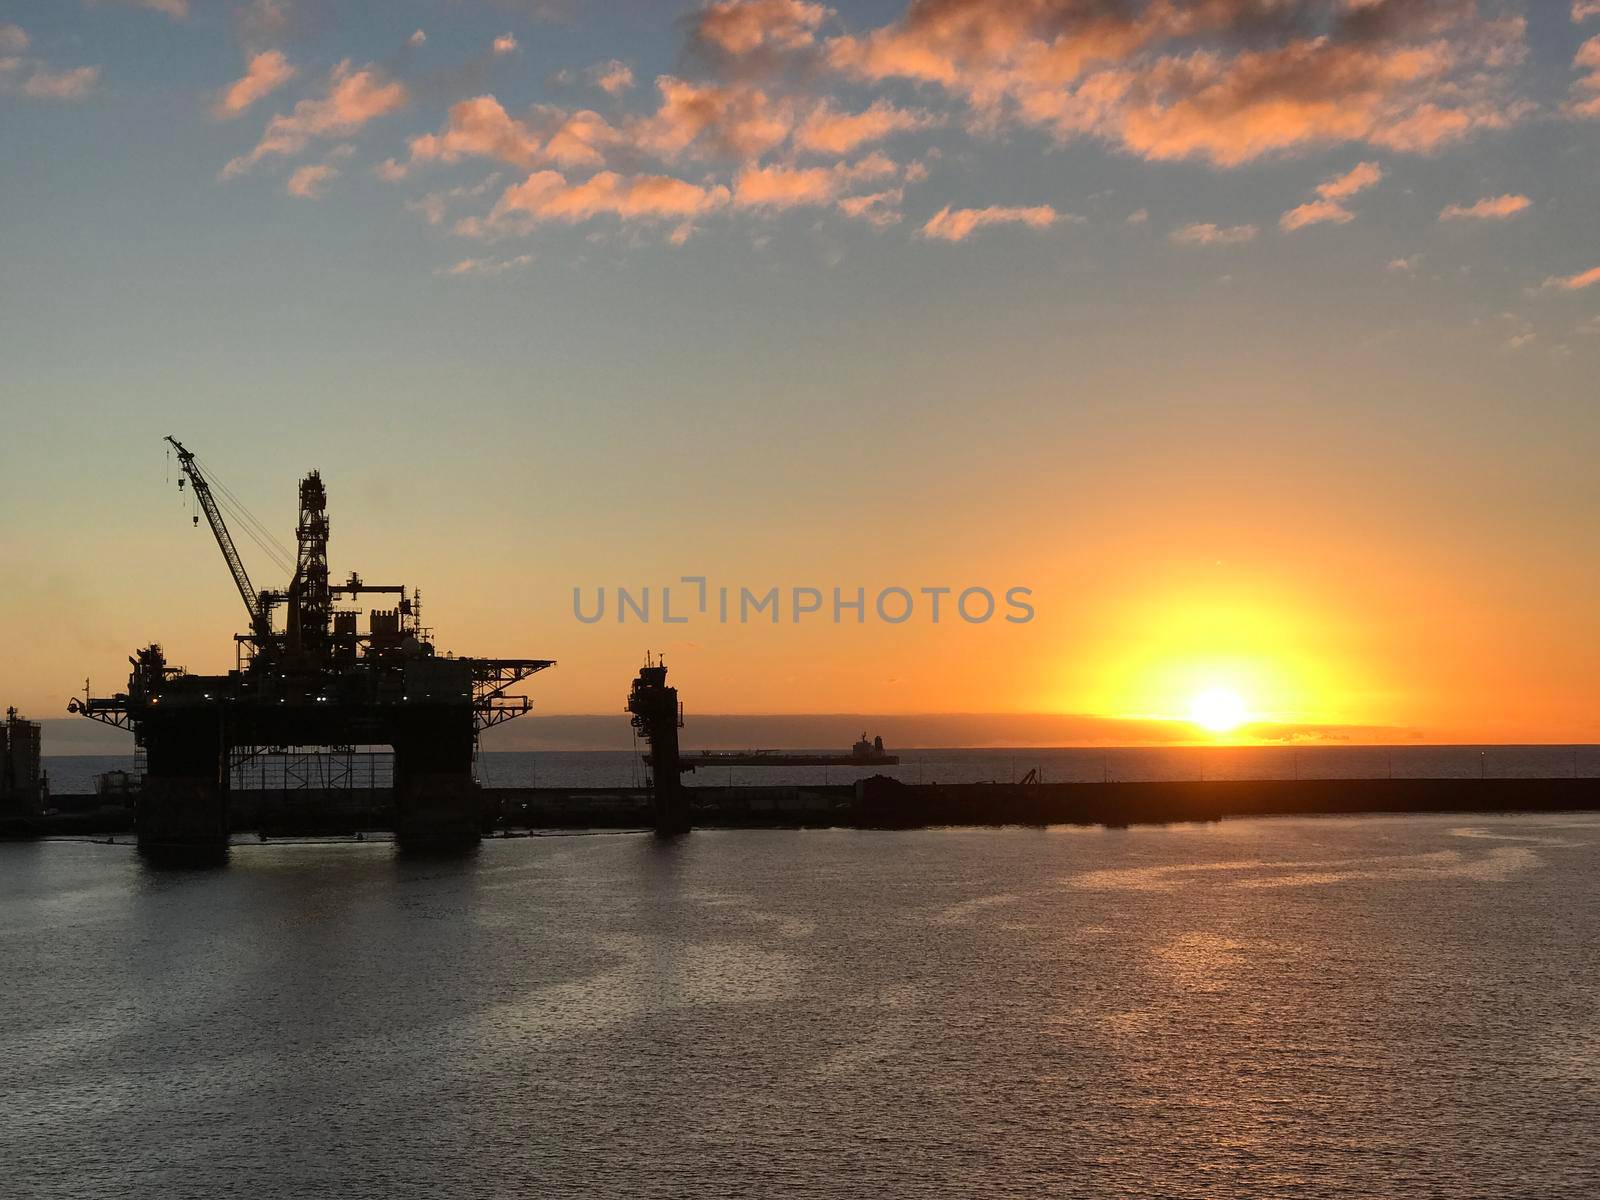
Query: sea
pixel 1288 1007
pixel 620 768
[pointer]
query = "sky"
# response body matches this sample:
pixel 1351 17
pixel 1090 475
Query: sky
pixel 1255 339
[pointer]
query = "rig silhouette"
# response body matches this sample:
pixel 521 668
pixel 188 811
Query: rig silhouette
pixel 319 680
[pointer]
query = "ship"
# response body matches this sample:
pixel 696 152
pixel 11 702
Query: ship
pixel 864 753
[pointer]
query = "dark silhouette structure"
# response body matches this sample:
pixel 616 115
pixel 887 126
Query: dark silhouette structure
pixel 24 788
pixel 863 753
pixel 658 715
pixel 318 681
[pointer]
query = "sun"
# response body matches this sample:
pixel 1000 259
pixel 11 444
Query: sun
pixel 1218 709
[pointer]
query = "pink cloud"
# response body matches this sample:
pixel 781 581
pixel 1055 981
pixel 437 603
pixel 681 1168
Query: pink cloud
pixel 735 120
pixel 434 205
pixel 1585 102
pixel 1582 10
pixel 547 196
pixel 581 139
pixel 504 44
pixel 785 187
pixel 478 128
pixel 488 267
pixel 1358 179
pixel 266 72
pixel 956 225
pixel 1217 80
pixel 776 187
pixel 307 181
pixel 1490 208
pixel 829 131
pixel 613 78
pixel 1327 209
pixel 37 79
pixel 741 27
pixel 1205 234
pixel 880 209
pixel 1317 212
pixel 1574 283
pixel 44 83
pixel 354 97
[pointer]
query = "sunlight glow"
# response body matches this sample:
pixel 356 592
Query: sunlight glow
pixel 1218 709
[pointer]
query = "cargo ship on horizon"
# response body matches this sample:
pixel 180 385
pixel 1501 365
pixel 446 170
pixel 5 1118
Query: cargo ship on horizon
pixel 863 753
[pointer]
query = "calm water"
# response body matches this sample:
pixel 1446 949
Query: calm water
pixel 620 768
pixel 1336 1007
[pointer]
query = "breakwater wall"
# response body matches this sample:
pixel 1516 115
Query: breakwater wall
pixel 882 803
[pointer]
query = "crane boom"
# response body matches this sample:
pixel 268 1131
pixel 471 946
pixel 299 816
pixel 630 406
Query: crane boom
pixel 219 529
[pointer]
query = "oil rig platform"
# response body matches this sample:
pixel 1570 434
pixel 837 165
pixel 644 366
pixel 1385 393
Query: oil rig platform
pixel 316 679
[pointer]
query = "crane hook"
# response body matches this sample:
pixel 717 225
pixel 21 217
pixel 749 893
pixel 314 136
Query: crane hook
pixel 196 520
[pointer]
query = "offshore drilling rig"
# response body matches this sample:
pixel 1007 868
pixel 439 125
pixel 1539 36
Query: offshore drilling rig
pixel 319 680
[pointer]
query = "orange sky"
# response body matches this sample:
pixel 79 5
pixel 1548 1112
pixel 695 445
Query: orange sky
pixel 1260 346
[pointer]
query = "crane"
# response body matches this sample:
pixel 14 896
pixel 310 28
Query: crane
pixel 258 606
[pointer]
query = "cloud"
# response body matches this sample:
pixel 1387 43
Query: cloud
pixel 785 187
pixel 263 21
pixel 1213 235
pixel 1574 283
pixel 44 83
pixel 1520 341
pixel 504 44
pixel 434 205
pixel 354 97
pixel 711 120
pixel 1582 10
pixel 35 78
pixel 547 196
pixel 581 139
pixel 1225 81
pixel 956 225
pixel 778 187
pixel 1405 265
pixel 1137 217
pixel 418 38
pixel 176 9
pixel 1490 208
pixel 488 266
pixel 1585 102
pixel 481 128
pixel 266 72
pixel 614 77
pixel 741 27
pixel 879 209
pixel 1327 208
pixel 1358 179
pixel 829 131
pixel 478 128
pixel 307 181
pixel 1316 212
